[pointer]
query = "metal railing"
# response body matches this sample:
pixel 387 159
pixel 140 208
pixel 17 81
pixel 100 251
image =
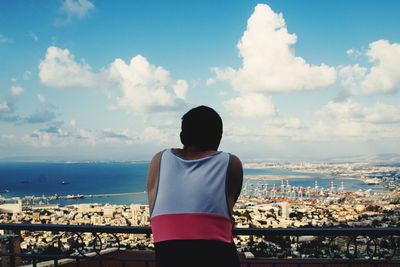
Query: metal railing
pixel 32 243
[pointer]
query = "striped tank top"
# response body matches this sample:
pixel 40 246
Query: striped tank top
pixel 191 199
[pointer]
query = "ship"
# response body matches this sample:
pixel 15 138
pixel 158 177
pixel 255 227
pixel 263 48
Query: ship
pixel 372 181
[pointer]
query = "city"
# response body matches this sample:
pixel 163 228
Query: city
pixel 283 206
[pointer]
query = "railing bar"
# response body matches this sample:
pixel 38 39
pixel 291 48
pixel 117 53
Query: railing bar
pixel 236 231
pixel 103 260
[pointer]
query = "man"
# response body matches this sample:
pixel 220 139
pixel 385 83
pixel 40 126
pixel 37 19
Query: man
pixel 191 193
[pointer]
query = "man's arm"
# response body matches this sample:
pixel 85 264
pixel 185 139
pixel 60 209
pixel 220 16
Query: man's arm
pixel 235 181
pixel 152 180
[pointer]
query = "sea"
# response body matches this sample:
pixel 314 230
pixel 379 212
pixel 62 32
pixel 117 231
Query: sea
pixel 19 179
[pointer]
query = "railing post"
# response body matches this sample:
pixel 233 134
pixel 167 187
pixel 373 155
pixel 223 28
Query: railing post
pixel 11 250
pixel 14 247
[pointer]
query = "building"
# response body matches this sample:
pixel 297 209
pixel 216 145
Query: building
pixel 15 206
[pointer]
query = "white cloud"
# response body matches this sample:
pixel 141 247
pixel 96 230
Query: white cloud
pixel 4 107
pixel 276 127
pixel 41 98
pixel 38 139
pixel 352 76
pixel 4 39
pixel 146 87
pixel 211 81
pixel 45 113
pixel 7 111
pixel 351 111
pixel 151 134
pixel 292 127
pixel 59 69
pixel 77 8
pixel 346 121
pixel 324 130
pixel 111 136
pixel 27 74
pixel 353 53
pixel 269 63
pixel 8 139
pixel 33 36
pixel 87 135
pixel 16 90
pixel 382 77
pixel 180 89
pixel 383 113
pixel 349 120
pixel 250 105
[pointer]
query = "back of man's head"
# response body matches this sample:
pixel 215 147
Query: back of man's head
pixel 201 128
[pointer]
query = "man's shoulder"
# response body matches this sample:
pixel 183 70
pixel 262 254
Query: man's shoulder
pixel 156 158
pixel 158 154
pixel 235 160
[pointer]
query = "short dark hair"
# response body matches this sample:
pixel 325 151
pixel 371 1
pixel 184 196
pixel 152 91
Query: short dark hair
pixel 201 128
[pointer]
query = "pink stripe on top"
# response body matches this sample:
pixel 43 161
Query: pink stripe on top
pixel 191 226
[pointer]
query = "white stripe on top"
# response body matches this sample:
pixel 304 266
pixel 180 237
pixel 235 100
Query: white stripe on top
pixel 192 186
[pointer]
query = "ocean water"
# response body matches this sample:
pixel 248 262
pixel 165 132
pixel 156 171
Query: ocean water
pixel 27 179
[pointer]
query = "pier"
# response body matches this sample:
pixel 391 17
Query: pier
pixel 46 199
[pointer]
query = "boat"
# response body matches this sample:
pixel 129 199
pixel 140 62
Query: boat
pixel 372 181
pixel 2 191
pixel 64 182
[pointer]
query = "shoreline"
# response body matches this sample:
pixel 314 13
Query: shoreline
pixel 271 177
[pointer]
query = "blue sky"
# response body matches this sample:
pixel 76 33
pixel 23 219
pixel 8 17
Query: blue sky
pixel 109 80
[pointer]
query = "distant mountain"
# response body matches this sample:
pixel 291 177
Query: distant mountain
pixel 55 159
pixel 388 158
pixel 382 158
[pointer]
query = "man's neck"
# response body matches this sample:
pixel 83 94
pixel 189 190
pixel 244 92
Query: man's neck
pixel 192 152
